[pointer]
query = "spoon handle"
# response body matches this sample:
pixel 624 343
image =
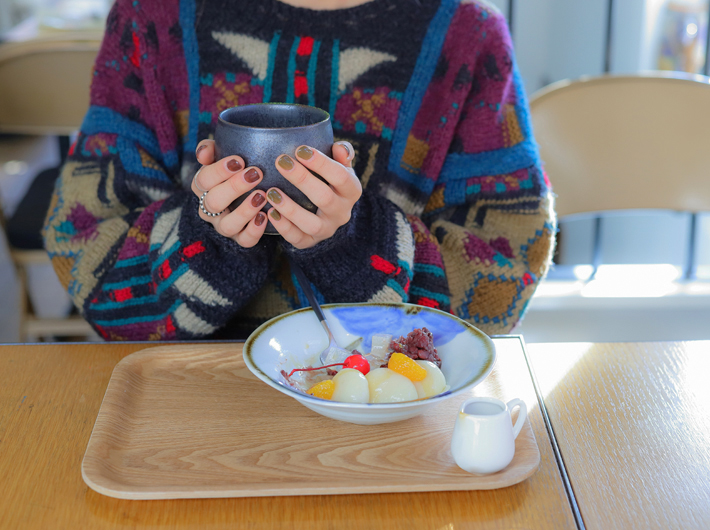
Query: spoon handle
pixel 306 286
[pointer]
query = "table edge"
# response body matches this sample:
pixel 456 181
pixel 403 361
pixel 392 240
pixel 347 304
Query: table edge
pixel 551 434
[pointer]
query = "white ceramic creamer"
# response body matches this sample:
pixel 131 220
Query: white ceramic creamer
pixel 484 435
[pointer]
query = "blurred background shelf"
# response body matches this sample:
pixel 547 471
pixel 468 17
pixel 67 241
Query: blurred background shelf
pixel 47 51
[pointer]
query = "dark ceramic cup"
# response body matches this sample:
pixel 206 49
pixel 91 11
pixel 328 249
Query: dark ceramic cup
pixel 262 132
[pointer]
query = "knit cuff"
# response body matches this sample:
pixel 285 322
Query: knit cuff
pixel 370 256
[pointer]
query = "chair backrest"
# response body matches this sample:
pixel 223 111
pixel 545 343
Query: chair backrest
pixel 626 142
pixel 44 84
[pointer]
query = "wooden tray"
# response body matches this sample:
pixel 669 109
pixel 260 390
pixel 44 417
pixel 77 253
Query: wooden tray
pixel 192 421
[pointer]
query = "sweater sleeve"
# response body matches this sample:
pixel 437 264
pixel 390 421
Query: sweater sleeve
pixel 123 231
pixel 484 240
pixel 489 224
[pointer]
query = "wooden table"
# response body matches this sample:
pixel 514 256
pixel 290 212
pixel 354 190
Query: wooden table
pixel 632 422
pixel 50 396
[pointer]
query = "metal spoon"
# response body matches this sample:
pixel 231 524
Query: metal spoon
pixel 332 349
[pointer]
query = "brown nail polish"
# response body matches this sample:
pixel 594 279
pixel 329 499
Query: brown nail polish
pixel 251 175
pixel 285 162
pixel 257 200
pixel 234 165
pixel 274 196
pixel 275 214
pixel 304 152
pixel 199 150
pixel 260 218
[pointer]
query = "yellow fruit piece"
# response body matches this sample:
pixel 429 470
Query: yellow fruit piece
pixel 407 367
pixel 323 390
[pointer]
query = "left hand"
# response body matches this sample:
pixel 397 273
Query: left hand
pixel 334 199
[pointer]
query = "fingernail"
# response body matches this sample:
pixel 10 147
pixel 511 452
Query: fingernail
pixel 275 214
pixel 304 152
pixel 251 175
pixel 285 162
pixel 347 149
pixel 257 200
pixel 274 196
pixel 260 218
pixel 199 149
pixel 234 165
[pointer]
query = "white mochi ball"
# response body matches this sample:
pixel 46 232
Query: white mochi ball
pixel 434 383
pixel 387 386
pixel 350 386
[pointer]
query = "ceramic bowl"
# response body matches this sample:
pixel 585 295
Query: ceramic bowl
pixel 262 132
pixel 295 340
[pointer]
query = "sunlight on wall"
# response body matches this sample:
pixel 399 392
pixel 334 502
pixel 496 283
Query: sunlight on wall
pixel 697 288
pixel 639 281
pixel 583 272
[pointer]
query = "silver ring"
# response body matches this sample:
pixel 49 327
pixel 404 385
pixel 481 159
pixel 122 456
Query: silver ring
pixel 204 210
pixel 194 181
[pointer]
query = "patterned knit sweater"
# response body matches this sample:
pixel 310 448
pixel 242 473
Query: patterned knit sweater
pixel 456 212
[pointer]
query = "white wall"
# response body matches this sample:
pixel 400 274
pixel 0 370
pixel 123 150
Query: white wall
pixel 632 36
pixel 559 39
pixel 566 39
pixel 502 5
pixel 531 34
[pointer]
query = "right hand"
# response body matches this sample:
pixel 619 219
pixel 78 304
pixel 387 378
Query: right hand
pixel 225 180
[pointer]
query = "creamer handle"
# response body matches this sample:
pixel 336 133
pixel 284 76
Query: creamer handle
pixel 521 415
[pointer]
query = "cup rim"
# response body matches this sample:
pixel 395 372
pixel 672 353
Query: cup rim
pixel 226 123
pixel 496 401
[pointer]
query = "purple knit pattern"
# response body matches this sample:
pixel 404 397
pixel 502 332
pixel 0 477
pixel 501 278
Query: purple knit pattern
pixel 83 223
pixel 225 91
pixel 502 245
pixel 370 112
pixel 478 250
pixel 480 129
pixel 137 242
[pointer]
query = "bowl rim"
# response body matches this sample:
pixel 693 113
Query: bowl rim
pixel 486 370
pixel 225 123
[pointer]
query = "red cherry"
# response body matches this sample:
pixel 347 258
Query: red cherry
pixel 358 362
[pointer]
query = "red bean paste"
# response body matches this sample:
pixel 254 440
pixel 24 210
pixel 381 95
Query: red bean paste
pixel 418 345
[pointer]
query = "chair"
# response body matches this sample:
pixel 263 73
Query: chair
pixel 620 142
pixel 623 152
pixel 44 90
pixel 44 83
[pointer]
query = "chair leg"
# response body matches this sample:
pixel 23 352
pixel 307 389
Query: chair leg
pixel 24 301
pixel 36 329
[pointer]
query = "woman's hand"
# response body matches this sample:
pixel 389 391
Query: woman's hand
pixel 218 184
pixel 334 199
